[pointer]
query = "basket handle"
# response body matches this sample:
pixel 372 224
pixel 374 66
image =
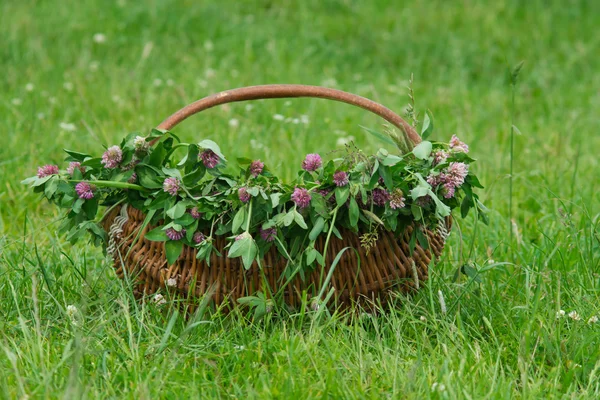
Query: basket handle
pixel 283 91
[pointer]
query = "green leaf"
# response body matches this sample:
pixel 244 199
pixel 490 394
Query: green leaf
pixel 300 220
pixel 77 205
pixel 76 156
pixel 289 218
pixel 177 210
pixel 423 150
pixel 209 144
pixel 353 212
pixel 90 207
pixel 381 136
pixel 156 235
pixel 473 181
pixel 471 272
pixel 341 195
pixel 421 190
pixel 417 212
pixel 245 248
pixel 192 178
pixel 173 249
pixel 427 128
pixel 50 187
pixel 391 160
pixel 441 210
pixel 317 229
pixel 158 155
pixel 373 217
pixel 387 177
pixel 275 199
pixel 465 206
pixel 238 220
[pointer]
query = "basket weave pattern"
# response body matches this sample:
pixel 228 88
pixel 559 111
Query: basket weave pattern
pixel 387 266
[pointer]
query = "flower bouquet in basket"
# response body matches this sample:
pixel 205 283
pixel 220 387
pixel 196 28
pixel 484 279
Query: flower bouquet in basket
pixel 174 216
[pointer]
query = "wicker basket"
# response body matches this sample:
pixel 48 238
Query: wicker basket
pixel 360 275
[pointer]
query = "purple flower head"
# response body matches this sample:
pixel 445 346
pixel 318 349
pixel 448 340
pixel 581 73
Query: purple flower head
pixel 132 178
pixel 448 190
pixel 312 162
pixel 172 234
pixel 340 178
pixel 301 197
pixel 199 237
pixel 73 166
pixel 456 174
pixel 439 157
pixel 434 180
pixel 210 159
pixel 397 199
pixel 47 170
pixel 269 234
pixel 195 213
pixel 171 186
pixel 112 157
pixel 244 195
pixel 84 190
pixel 256 168
pixel 423 201
pixel 380 197
pixel 456 145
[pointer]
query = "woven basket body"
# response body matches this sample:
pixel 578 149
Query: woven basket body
pixel 360 275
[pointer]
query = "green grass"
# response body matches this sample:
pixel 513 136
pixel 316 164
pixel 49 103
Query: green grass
pixel 500 337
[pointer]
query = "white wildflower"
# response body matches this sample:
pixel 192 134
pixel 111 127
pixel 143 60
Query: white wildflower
pixel 41 115
pixel 239 347
pixel 16 101
pixel 295 121
pixel 287 103
pixel 71 310
pixel 159 299
pixel 440 387
pixel 53 100
pixel 99 38
pixel 140 144
pixel 170 82
pixel 560 314
pixel 73 314
pixel 423 318
pixel 344 140
pixel 208 46
pixel 157 82
pixel 592 320
pixel 67 126
pixel 94 65
pixel 256 144
pixel 209 73
pixel 234 123
pixel 171 282
pixel 574 315
pixel 68 86
pixel 249 107
pixel 202 83
pixel 29 87
pixel 304 119
pixel 278 117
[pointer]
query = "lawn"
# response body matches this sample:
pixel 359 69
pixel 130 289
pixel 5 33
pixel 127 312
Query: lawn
pixel 82 74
